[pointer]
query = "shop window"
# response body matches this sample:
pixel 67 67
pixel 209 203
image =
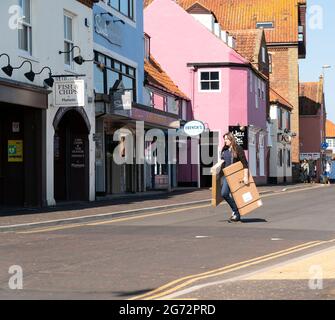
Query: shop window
pixel 114 70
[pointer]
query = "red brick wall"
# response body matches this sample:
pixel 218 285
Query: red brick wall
pixel 285 80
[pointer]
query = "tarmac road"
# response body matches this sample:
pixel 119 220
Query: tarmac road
pixel 160 254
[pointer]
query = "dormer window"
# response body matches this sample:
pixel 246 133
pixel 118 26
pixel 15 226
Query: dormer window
pixel 264 25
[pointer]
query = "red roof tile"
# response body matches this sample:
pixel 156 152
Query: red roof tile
pixel 330 129
pixel 158 77
pixel 276 97
pixel 248 43
pixel 244 14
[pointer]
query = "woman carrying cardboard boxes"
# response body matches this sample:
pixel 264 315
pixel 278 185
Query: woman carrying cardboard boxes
pixel 232 153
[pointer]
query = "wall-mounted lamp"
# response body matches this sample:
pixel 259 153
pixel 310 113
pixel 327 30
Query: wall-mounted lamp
pixel 8 70
pixel 29 75
pixel 108 13
pixel 49 81
pixel 119 20
pixel 78 59
pixel 114 21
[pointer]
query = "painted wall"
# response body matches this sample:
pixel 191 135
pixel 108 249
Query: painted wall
pixel 310 134
pixel 188 41
pixel 275 170
pixel 45 53
pixel 131 50
pixel 181 42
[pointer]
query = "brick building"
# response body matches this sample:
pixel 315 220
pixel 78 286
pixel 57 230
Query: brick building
pixel 313 123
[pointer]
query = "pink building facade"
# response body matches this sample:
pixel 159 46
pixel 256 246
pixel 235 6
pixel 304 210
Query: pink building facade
pixel 224 88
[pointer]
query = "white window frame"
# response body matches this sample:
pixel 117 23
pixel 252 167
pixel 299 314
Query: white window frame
pixel 251 82
pixel 29 33
pixel 146 47
pixel 200 81
pixel 263 54
pixel 68 41
pixel 270 62
pixel 265 25
pixel 256 82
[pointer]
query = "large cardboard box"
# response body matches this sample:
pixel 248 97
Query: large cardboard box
pixel 217 175
pixel 246 196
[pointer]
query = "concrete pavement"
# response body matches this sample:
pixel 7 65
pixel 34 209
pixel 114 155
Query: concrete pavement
pixel 126 205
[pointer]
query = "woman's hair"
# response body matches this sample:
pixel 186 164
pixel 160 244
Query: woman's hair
pixel 232 139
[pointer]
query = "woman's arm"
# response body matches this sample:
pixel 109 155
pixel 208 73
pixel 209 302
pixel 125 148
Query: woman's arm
pixel 243 159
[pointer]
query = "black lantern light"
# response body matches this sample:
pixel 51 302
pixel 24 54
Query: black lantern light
pixel 29 75
pixel 8 70
pixel 48 81
pixel 78 59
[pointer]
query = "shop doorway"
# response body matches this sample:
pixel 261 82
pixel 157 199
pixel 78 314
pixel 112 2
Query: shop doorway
pixel 71 157
pixel 120 177
pixel 11 156
pixel 209 150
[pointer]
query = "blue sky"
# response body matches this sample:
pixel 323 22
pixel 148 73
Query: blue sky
pixel 321 49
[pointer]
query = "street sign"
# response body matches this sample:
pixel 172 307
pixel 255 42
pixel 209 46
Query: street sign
pixel 324 145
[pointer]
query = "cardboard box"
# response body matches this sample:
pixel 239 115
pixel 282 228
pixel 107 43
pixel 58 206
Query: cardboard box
pixel 246 196
pixel 217 175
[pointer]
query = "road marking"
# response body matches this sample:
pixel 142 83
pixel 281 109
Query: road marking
pixel 110 221
pixel 302 263
pixel 83 224
pixel 76 225
pixel 164 290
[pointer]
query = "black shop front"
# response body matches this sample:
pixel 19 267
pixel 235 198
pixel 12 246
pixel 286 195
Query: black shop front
pixel 22 144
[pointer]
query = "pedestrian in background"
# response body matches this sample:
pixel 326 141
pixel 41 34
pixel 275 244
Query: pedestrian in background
pixel 327 172
pixel 232 153
pixel 305 170
pixel 310 171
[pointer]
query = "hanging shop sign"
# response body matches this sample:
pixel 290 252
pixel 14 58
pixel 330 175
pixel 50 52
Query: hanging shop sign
pixel 284 138
pixel 69 93
pixel 194 128
pixel 241 135
pixel 15 151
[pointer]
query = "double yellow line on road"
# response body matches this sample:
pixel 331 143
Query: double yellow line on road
pixel 176 285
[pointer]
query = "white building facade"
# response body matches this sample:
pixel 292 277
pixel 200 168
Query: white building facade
pixel 56 162
pixel 280 137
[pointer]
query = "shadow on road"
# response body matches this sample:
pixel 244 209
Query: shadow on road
pixel 253 220
pixel 131 293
